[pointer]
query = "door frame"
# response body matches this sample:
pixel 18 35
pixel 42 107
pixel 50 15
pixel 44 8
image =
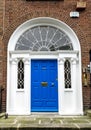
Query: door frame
pixel 43 56
pixel 75 57
pixel 74 93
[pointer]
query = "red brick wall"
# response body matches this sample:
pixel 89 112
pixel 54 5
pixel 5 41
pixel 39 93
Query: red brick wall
pixel 2 77
pixel 15 12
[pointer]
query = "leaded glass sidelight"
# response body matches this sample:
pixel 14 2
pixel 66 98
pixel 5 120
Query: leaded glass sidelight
pixel 67 74
pixel 44 38
pixel 20 84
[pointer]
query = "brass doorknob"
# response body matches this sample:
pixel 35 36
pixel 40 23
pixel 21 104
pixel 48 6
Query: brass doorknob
pixel 52 84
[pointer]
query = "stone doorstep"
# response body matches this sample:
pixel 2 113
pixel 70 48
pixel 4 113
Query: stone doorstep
pixel 44 122
pixel 2 115
pixel 43 127
pixel 88 112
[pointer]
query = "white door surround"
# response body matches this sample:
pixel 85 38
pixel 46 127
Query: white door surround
pixel 69 99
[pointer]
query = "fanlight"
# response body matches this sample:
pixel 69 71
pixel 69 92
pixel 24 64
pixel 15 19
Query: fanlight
pixel 44 38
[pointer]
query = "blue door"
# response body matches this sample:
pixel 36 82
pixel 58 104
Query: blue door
pixel 44 86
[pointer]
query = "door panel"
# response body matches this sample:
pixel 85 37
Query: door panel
pixel 44 86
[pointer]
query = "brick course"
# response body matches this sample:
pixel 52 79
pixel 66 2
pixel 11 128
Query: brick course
pixel 15 12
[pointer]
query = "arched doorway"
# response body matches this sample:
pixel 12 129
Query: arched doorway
pixel 44 63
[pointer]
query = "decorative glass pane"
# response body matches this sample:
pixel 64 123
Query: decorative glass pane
pixel 44 38
pixel 20 84
pixel 67 74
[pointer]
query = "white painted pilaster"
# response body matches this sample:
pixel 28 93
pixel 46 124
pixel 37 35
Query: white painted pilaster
pixel 74 82
pixel 27 85
pixel 13 86
pixel 61 84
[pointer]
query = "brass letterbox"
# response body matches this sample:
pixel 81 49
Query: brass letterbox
pixel 44 84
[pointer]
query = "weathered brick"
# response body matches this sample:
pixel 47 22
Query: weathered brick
pixel 15 12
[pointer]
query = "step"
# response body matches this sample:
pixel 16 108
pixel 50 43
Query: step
pixel 48 122
pixel 88 112
pixel 2 115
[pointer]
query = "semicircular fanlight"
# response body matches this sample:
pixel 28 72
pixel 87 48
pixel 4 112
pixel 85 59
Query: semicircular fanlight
pixel 44 38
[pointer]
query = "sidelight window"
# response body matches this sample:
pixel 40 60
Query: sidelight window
pixel 67 74
pixel 20 75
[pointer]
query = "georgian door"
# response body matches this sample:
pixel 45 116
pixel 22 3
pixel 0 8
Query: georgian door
pixel 44 86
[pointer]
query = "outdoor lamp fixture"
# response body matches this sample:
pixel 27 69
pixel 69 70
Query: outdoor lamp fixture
pixel 88 68
pixel 84 77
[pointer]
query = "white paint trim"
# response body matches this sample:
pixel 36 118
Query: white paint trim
pixel 59 55
pixel 43 21
pixel 63 99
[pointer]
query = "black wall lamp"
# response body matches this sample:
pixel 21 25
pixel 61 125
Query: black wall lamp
pixel 86 70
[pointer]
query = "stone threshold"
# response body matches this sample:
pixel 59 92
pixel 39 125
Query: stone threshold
pixel 45 121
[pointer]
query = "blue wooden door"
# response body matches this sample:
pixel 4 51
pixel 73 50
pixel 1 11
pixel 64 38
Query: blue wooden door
pixel 44 86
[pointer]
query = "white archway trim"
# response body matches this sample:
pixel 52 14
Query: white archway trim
pixel 43 21
pixel 74 56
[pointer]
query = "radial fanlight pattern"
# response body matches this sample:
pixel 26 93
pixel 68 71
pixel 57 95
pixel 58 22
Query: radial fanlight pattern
pixel 44 38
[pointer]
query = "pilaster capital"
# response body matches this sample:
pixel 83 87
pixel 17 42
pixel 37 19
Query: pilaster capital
pixel 61 61
pixel 14 61
pixel 26 61
pixel 74 61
